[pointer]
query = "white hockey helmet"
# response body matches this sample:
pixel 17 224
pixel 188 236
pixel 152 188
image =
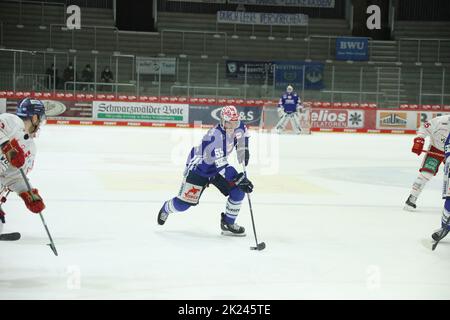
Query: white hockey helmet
pixel 289 89
pixel 229 118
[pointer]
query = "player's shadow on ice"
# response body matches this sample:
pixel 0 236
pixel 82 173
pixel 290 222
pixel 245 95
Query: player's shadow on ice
pixel 23 283
pixel 427 243
pixel 426 210
pixel 176 235
pixel 30 240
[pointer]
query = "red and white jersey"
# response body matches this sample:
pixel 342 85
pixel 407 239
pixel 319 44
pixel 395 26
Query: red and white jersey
pixel 12 127
pixel 437 129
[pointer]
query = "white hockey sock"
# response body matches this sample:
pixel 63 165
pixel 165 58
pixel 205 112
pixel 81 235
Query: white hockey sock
pixel 420 183
pixel 232 210
pixel 1 227
pixel 169 207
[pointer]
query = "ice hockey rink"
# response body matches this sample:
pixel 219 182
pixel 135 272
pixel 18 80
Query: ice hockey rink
pixel 328 206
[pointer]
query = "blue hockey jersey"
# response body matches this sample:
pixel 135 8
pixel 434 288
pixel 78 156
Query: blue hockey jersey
pixel 210 157
pixel 289 101
pixel 447 148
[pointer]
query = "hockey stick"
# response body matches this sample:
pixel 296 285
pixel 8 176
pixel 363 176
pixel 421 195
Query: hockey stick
pixel 262 245
pixel 51 244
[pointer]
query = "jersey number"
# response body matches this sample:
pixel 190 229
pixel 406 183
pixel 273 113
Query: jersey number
pixel 219 153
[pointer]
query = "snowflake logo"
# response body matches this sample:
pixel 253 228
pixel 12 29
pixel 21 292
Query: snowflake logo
pixel 355 118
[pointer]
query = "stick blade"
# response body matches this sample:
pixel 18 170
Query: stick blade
pixel 52 246
pixel 259 247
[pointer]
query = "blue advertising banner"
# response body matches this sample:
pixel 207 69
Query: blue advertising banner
pixel 259 70
pixel 352 48
pixel 291 73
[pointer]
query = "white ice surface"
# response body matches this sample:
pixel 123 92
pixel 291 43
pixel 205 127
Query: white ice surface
pixel 328 207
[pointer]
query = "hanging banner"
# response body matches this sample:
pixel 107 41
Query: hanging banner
pixel 352 48
pixel 150 65
pixel 260 70
pixel 291 73
pixel 287 3
pixel 261 18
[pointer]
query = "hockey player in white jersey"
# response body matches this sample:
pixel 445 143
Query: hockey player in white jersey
pixel 289 108
pixel 18 151
pixel 437 130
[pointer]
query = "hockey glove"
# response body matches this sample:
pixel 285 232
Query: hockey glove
pixel 14 153
pixel 33 200
pixel 280 112
pixel 243 155
pixel 243 183
pixel 418 145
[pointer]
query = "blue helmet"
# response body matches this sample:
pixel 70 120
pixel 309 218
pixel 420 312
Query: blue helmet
pixel 29 107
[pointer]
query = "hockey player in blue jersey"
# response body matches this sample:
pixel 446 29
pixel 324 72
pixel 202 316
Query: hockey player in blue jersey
pixel 439 234
pixel 207 164
pixel 289 108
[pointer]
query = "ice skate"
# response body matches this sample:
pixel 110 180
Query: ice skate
pixel 440 234
pixel 162 217
pixel 410 204
pixel 231 229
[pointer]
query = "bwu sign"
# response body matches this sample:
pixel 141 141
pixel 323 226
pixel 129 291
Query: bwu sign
pixel 351 48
